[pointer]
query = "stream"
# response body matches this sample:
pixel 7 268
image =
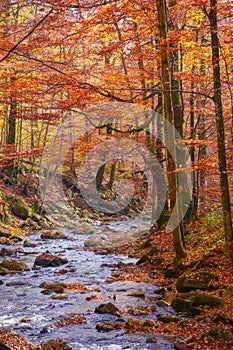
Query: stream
pixel 29 312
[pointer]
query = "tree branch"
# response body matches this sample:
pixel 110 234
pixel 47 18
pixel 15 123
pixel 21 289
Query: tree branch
pixel 26 36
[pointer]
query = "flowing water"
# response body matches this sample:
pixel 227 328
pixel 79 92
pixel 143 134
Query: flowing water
pixel 19 302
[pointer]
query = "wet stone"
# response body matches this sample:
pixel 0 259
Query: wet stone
pixel 180 345
pixel 161 290
pixel 55 344
pixel 108 308
pixel 17 283
pixel 57 287
pixel 139 293
pixel 53 235
pixel 49 260
pixel 14 265
pixel 28 244
pixel 151 340
pixel 161 303
pixel 167 318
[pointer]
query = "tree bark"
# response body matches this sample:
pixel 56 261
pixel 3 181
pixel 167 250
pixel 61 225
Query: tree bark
pixel 11 132
pixel 222 163
pixel 169 115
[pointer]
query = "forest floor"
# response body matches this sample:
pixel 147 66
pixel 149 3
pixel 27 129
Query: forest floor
pixel 207 326
pixel 206 252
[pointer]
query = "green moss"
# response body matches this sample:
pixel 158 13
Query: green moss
pixel 14 265
pixel 154 250
pixel 203 280
pixel 143 258
pixel 219 332
pixel 144 245
pixel 57 287
pixel 21 211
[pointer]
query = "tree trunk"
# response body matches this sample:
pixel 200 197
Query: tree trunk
pixel 11 133
pixel 169 115
pixel 220 123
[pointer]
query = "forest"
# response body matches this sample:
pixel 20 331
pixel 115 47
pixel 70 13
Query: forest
pixel 116 140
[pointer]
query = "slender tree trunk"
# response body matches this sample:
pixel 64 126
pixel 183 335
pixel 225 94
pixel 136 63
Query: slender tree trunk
pixel 11 132
pixel 169 115
pixel 220 123
pixel 202 150
pixel 192 212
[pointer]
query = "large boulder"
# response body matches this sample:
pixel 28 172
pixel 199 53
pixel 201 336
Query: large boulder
pixel 202 299
pixel 190 302
pixel 184 305
pixel 48 260
pixel 202 280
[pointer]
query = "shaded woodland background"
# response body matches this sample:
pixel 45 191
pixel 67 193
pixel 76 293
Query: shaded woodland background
pixel 174 57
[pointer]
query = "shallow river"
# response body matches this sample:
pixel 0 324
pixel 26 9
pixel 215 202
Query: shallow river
pixel 26 301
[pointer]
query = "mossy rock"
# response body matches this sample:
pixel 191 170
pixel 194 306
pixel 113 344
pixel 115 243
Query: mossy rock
pixel 16 234
pixel 184 305
pixel 174 272
pixel 181 305
pixel 167 318
pixel 30 223
pixel 53 235
pixel 53 344
pixel 5 217
pixel 83 229
pixel 191 301
pixel 219 332
pixel 3 271
pixel 201 299
pixel 222 318
pixel 144 245
pixel 14 265
pixel 227 292
pixel 57 287
pixel 91 243
pixel 154 250
pixel 21 211
pixel 202 280
pixel 143 259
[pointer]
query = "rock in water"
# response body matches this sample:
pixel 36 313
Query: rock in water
pixel 14 265
pixel 47 260
pixel 167 318
pixel 108 308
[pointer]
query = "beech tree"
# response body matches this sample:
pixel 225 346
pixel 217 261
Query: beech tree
pixel 220 128
pixel 169 115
